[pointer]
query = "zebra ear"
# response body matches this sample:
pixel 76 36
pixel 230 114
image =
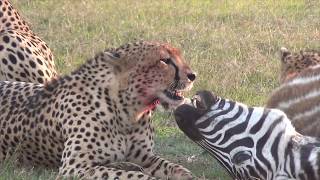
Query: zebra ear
pixel 241 157
pixel 203 100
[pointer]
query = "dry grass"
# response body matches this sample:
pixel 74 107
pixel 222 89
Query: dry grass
pixel 233 46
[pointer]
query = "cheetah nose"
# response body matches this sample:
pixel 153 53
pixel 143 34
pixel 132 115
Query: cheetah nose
pixel 191 76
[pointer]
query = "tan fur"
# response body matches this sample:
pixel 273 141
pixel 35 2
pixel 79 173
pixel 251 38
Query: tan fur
pixel 294 63
pixel 23 55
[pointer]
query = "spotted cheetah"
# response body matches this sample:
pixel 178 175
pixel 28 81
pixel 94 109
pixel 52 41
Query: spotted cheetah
pixel 293 64
pixel 23 55
pixel 97 115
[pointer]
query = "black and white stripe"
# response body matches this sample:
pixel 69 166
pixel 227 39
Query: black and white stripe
pixel 251 142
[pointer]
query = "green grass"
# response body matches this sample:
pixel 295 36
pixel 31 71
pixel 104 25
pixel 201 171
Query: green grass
pixel 232 45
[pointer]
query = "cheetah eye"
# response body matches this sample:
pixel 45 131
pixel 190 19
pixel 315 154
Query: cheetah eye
pixel 166 60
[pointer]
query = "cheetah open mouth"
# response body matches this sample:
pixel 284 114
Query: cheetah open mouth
pixel 174 95
pixel 171 98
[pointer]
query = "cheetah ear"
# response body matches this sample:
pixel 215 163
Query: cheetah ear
pixel 284 52
pixel 112 56
pixel 112 52
pixel 114 59
pixel 302 53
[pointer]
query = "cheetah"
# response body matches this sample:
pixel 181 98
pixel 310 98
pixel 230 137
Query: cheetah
pixel 97 115
pixel 23 55
pixel 293 64
pixel 298 95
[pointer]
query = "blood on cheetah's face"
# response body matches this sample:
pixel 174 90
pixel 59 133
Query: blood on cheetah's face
pixel 171 76
pixel 294 63
pixel 156 73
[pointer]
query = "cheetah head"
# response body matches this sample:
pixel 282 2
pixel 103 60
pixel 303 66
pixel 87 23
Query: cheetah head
pixel 293 64
pixel 153 73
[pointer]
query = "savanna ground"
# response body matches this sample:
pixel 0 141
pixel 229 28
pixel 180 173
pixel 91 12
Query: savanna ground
pixel 232 45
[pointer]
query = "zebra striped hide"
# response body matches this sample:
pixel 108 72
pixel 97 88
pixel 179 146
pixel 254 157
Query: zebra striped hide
pixel 298 95
pixel 249 142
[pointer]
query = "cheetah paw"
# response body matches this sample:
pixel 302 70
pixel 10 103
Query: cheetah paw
pixel 182 174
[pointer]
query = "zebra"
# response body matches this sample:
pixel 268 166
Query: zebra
pixel 249 142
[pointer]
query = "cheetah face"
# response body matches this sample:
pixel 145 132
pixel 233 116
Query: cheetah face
pixel 182 81
pixel 162 76
pixel 293 64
